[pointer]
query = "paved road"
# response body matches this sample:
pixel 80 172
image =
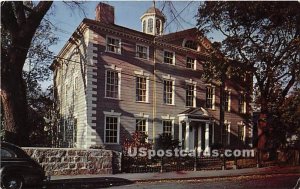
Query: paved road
pixel 248 182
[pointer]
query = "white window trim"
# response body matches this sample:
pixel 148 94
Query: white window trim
pixel 195 62
pixel 194 83
pixel 173 60
pixel 170 78
pixel 229 99
pixel 143 116
pixel 120 44
pixel 168 117
pixel 147 76
pixel 213 96
pixel 244 130
pixel 113 68
pixel 228 131
pixel 112 113
pixel 138 44
pixel 244 106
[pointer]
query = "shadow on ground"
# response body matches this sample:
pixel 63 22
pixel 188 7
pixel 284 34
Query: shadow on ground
pixel 84 183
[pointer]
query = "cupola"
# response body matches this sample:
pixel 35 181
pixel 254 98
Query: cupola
pixel 153 21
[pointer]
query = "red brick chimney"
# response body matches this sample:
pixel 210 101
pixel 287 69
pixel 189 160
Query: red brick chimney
pixel 105 13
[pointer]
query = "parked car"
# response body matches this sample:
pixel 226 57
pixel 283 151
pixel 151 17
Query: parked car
pixel 18 169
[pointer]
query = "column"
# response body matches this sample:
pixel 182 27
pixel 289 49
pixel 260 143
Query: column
pixel 199 138
pixel 206 135
pixel 187 133
pixel 180 132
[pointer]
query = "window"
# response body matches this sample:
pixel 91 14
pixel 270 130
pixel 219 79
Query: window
pixel 150 25
pixel 168 57
pixel 210 92
pixel 190 95
pixel 226 100
pixel 241 133
pixel 144 26
pixel 5 153
pixel 112 84
pixel 141 51
pixel 167 127
pixel 141 126
pixel 75 89
pixel 113 45
pixel 191 44
pixel 242 103
pixel 141 89
pixel 157 25
pixel 168 92
pixel 190 63
pixel 226 134
pixel 111 129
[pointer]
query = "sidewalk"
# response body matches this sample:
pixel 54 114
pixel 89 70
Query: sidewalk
pixel 182 175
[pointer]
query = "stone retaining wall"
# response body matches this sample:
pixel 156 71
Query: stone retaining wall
pixel 65 161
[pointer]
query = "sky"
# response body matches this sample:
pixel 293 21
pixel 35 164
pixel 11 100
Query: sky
pixel 127 14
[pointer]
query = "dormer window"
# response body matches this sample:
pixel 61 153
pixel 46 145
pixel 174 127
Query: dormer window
pixel 191 44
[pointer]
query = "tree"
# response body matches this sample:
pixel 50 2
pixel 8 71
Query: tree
pixel 20 23
pixel 20 27
pixel 260 38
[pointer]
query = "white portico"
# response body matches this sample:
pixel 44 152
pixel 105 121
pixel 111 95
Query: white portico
pixel 196 129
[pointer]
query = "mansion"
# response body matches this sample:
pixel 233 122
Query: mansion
pixel 111 81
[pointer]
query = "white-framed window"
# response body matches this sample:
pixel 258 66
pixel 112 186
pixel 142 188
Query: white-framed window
pixel 210 97
pixel 142 51
pixel 141 125
pixel 191 63
pixel 227 100
pixel 150 25
pixel 141 89
pixel 112 84
pixel 190 95
pixel 241 132
pixel 190 44
pixel 167 127
pixel 169 57
pixel 112 129
pixel 169 92
pixel 242 103
pixel 226 133
pixel 113 45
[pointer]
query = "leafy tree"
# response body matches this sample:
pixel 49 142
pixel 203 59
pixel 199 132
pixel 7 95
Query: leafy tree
pixel 260 38
pixel 19 22
pixel 23 37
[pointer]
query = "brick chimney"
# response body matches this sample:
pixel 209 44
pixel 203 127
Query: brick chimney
pixel 105 13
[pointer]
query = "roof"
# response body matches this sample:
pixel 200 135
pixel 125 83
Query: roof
pixel 153 10
pixel 196 112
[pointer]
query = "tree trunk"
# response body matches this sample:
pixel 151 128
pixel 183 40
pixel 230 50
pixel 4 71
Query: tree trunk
pixel 13 97
pixel 21 29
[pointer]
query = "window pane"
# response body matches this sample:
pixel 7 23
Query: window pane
pixel 190 95
pixel 113 45
pixel 141 89
pixel 168 92
pixel 141 125
pixel 111 130
pixel 168 57
pixel 142 52
pixel 112 84
pixel 167 127
pixel 209 97
pixel 190 62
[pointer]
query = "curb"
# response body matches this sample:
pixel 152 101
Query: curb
pixel 213 177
